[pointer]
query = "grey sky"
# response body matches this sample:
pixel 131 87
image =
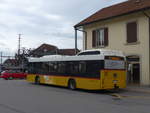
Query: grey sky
pixel 44 21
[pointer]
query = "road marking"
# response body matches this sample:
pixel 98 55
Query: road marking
pixel 118 96
pixel 12 108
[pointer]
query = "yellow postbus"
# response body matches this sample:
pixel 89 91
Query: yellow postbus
pixel 90 69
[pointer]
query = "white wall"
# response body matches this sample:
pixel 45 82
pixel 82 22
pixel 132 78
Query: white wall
pixel 117 39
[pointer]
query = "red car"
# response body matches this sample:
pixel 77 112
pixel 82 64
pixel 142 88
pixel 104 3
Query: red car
pixel 8 75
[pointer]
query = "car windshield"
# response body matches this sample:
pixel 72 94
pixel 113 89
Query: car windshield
pixel 4 72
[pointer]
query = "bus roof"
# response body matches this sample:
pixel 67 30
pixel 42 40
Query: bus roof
pixel 65 58
pixel 105 52
pixel 100 56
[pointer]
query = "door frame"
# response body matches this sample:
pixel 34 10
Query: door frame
pixel 133 59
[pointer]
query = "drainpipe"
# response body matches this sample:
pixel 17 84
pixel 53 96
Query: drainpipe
pixel 85 33
pixel 75 41
pixel 149 40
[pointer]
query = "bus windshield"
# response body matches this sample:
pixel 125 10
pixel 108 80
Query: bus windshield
pixel 114 63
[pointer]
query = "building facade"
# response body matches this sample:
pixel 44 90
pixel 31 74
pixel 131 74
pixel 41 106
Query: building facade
pixel 126 27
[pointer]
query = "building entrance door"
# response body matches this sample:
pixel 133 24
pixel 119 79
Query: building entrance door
pixel 133 70
pixel 136 73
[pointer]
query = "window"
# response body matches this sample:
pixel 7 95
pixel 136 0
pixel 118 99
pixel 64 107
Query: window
pixel 82 67
pixel 100 37
pixel 93 68
pixel 90 69
pixel 131 32
pixel 61 67
pixel 73 67
pixel 53 67
pixel 89 53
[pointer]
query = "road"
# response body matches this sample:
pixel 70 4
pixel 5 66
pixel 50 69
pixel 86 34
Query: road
pixel 19 96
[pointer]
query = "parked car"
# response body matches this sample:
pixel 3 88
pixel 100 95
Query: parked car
pixel 13 74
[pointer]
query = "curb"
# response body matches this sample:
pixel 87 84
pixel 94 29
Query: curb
pixel 138 90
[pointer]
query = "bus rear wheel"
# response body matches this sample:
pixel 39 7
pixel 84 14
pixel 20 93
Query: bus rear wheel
pixel 37 80
pixel 72 84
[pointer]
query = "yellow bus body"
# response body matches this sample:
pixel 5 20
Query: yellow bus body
pixel 109 79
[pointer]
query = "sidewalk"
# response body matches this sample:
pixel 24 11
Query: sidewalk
pixel 137 88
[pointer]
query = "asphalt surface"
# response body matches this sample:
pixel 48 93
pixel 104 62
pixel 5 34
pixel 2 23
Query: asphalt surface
pixel 19 96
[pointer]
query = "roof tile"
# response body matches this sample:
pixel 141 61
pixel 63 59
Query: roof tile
pixel 123 8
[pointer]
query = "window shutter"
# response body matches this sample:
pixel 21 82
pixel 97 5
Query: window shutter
pixel 93 38
pixel 105 36
pixel 131 32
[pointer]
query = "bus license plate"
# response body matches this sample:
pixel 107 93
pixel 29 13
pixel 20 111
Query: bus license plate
pixel 115 81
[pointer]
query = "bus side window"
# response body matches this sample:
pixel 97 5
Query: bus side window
pixel 53 67
pixel 39 68
pixel 74 68
pixel 93 68
pixel 35 67
pixel 61 67
pixel 30 68
pixel 45 68
pixel 82 67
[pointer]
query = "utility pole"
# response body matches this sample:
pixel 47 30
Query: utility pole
pixel 76 36
pixel 19 44
pixel 1 58
pixel 1 61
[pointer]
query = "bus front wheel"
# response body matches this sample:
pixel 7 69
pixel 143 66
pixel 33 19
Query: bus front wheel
pixel 72 84
pixel 37 80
